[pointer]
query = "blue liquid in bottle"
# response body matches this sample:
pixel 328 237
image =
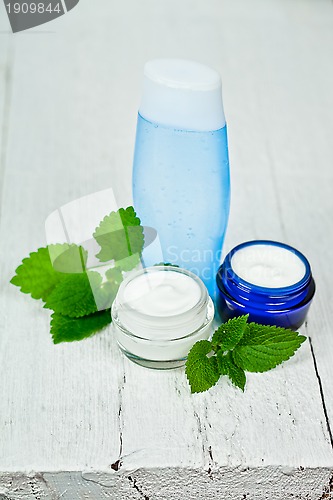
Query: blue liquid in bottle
pixel 181 188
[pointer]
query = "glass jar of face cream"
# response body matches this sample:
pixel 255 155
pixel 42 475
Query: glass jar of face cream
pixel 159 313
pixel 270 281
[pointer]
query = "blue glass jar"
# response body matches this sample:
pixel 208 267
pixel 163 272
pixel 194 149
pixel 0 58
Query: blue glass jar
pixel 263 298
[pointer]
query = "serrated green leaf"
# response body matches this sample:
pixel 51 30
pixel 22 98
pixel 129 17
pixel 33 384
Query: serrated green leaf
pixel 227 367
pixel 74 295
pixel 105 295
pixel 36 274
pixel 227 336
pixel 65 329
pixel 68 258
pixel 201 371
pixel 128 263
pixel 264 347
pixel 121 238
pixel 114 275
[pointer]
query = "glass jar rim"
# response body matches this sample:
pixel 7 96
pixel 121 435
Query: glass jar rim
pixel 304 302
pixel 228 270
pixel 202 302
pixel 208 319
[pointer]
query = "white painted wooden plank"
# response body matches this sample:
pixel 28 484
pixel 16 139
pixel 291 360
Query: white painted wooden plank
pixel 215 443
pixel 228 484
pixel 6 61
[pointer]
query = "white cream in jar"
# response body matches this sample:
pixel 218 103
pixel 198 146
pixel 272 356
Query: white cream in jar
pixel 159 313
pixel 269 280
pixel 268 266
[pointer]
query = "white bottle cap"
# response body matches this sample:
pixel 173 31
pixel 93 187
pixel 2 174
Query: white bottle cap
pixel 182 94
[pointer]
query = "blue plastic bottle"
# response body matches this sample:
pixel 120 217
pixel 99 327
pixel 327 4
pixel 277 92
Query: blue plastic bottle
pixel 181 184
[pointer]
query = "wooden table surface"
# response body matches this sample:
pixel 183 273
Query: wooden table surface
pixel 69 92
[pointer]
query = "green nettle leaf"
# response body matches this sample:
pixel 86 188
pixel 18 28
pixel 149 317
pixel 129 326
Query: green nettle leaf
pixel 121 238
pixel 106 293
pixel 66 329
pixel 227 367
pixel 201 371
pixel 129 263
pixel 114 275
pixel 238 347
pixel 264 347
pixel 228 335
pixel 36 275
pixel 72 259
pixel 74 295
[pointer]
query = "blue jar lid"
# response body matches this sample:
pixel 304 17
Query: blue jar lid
pixel 267 300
